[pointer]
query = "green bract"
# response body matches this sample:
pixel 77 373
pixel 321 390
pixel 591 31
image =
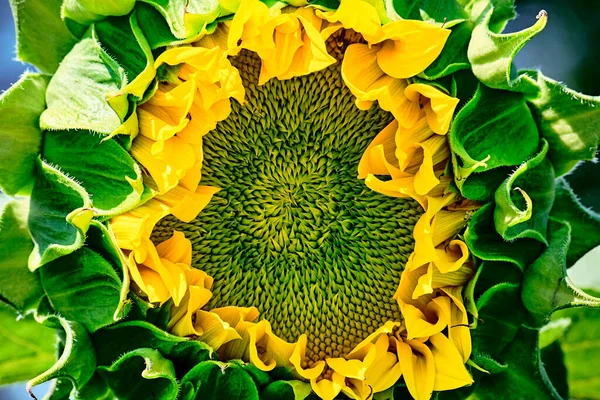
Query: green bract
pixel 66 132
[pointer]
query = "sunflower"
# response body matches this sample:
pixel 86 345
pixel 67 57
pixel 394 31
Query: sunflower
pixel 283 200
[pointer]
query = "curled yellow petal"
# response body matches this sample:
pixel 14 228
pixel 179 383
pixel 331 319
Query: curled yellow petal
pixel 450 371
pixel 358 15
pixel 328 389
pixel 439 109
pixel 297 360
pixel 267 350
pixel 408 46
pixel 458 329
pixel 418 368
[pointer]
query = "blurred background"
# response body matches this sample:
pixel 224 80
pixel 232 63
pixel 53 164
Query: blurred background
pixel 568 50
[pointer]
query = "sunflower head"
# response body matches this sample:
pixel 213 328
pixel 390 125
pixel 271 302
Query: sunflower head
pixel 281 200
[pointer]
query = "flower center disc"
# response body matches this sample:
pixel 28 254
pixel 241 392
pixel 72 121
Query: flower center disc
pixel 293 231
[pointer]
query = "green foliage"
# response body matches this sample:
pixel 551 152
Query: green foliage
pixel 102 167
pixel 77 94
pixel 84 287
pixel 21 136
pixel 187 19
pixel 42 37
pixel 59 215
pixel 487 244
pixel 84 12
pixel 283 390
pixel 19 288
pixel 568 120
pixel 494 129
pixel 491 55
pixel 584 223
pixel 26 347
pixel 515 216
pixel 77 361
pixel 141 374
pixel 211 379
pixel 546 287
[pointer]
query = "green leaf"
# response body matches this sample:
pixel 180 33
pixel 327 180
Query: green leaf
pixel 123 40
pixel 187 19
pixel 581 348
pixel 113 341
pixel 568 120
pixel 77 95
pixel 77 361
pixel 280 390
pixel 141 374
pixel 85 12
pixel 26 347
pixel 439 10
pixel 20 109
pixel 42 37
pixel 491 55
pixel 584 222
pixel 59 215
pixel 525 374
pixel 502 12
pixel 101 240
pixel 214 380
pixel 102 167
pixel 454 55
pixel 546 287
pixel 525 214
pixel 19 287
pixel 485 242
pixel 494 129
pixel 83 287
pixel 495 272
pixel 497 328
pixel 154 26
pixel 552 359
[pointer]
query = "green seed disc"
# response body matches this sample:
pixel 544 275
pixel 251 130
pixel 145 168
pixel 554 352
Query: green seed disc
pixel 293 231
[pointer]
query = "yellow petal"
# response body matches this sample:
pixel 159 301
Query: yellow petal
pixel 446 224
pixel 184 204
pixel 328 389
pixel 159 159
pixel 385 370
pixel 165 113
pixel 362 350
pixel 348 368
pixel 181 320
pixel 250 26
pixel 418 368
pixel 450 371
pixel 298 356
pixel 440 108
pixel 458 329
pixel 452 257
pixel 267 350
pixel 358 15
pixel 407 138
pixel 177 249
pixel 214 331
pixel 379 157
pixel 435 151
pixel 408 46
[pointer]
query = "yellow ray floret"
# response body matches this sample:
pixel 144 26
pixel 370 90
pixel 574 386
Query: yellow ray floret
pixel 414 158
pixel 173 121
pixel 289 44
